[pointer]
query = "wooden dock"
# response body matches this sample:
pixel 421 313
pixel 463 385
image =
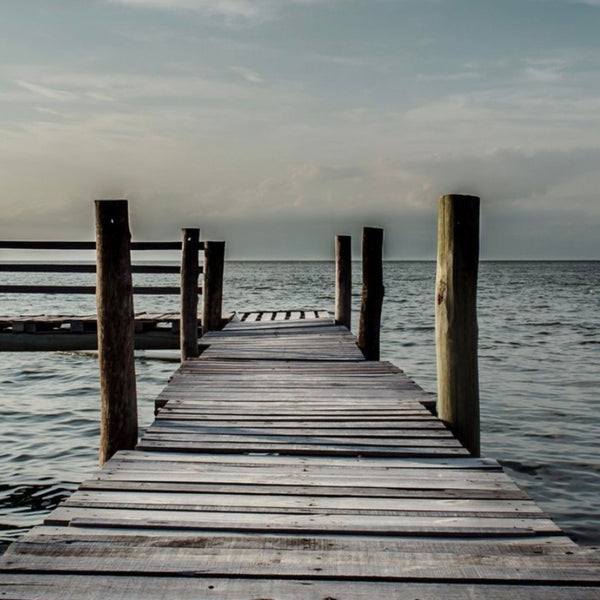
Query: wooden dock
pixel 282 465
pixel 153 331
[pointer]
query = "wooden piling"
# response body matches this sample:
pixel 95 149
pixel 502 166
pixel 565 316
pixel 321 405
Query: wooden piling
pixel 372 292
pixel 116 330
pixel 188 332
pixel 456 317
pixel 212 290
pixel 343 280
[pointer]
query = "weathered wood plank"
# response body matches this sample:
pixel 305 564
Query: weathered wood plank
pixel 32 586
pixel 308 489
pixel 320 477
pixel 299 560
pixel 299 523
pixel 281 503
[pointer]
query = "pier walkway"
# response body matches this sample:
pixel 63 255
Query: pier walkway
pixel 281 465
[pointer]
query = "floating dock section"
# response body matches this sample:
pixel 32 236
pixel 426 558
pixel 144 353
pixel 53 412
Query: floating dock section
pixel 282 465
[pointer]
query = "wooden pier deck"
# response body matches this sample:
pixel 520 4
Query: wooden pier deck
pixel 284 466
pixel 159 330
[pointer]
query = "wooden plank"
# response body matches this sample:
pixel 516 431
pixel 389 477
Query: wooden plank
pixel 78 268
pixel 420 426
pixel 279 503
pixel 298 559
pixel 327 479
pixel 71 586
pixel 84 289
pixel 469 464
pixel 357 473
pixel 68 245
pixel 382 437
pixel 282 488
pixel 252 317
pixel 276 478
pixel 304 449
pixel 542 544
pixel 299 523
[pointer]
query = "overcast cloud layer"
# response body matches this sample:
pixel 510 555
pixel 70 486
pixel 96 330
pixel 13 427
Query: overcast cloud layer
pixel 275 124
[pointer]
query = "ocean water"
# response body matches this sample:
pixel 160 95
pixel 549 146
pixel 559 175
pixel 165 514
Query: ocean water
pixel 539 326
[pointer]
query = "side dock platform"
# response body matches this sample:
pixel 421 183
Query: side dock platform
pixel 282 465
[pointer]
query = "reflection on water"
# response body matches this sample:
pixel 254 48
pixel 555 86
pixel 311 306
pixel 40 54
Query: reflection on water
pixel 539 363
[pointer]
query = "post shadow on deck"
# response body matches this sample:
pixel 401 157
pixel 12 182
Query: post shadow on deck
pixel 456 317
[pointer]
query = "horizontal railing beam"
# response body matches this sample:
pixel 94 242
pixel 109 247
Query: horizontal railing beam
pixel 80 268
pixel 85 289
pixel 58 245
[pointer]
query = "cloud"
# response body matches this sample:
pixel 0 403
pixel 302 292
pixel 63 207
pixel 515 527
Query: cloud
pixel 47 92
pixel 235 8
pixel 247 74
pixel 595 3
pixel 462 76
pixel 546 70
pixel 87 91
pixel 510 177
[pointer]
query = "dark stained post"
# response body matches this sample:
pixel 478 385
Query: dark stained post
pixel 212 290
pixel 343 280
pixel 456 317
pixel 188 331
pixel 116 330
pixel 372 292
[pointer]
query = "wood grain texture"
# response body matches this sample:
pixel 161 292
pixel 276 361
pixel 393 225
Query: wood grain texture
pixel 212 289
pixel 456 317
pixel 188 329
pixel 116 328
pixel 322 476
pixel 343 280
pixel 369 324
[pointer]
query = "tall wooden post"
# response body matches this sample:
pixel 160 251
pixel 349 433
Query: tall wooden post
pixel 343 280
pixel 188 331
pixel 212 290
pixel 116 329
pixel 456 317
pixel 372 292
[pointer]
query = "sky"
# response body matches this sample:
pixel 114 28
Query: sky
pixel 276 124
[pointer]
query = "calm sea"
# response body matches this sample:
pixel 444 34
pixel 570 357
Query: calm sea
pixel 539 328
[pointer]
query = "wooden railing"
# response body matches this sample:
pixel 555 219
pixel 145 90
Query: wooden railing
pixel 44 267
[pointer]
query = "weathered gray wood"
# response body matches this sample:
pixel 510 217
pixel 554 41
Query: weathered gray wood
pixel 301 558
pixel 313 479
pixel 78 268
pixel 469 465
pixel 290 523
pixel 67 245
pixel 306 477
pixel 456 317
pixel 343 280
pixel 174 500
pixel 310 449
pixel 82 289
pixel 372 292
pixel 188 329
pixel 212 291
pixel 116 330
pixel 504 546
pixel 72 586
pixel 308 489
